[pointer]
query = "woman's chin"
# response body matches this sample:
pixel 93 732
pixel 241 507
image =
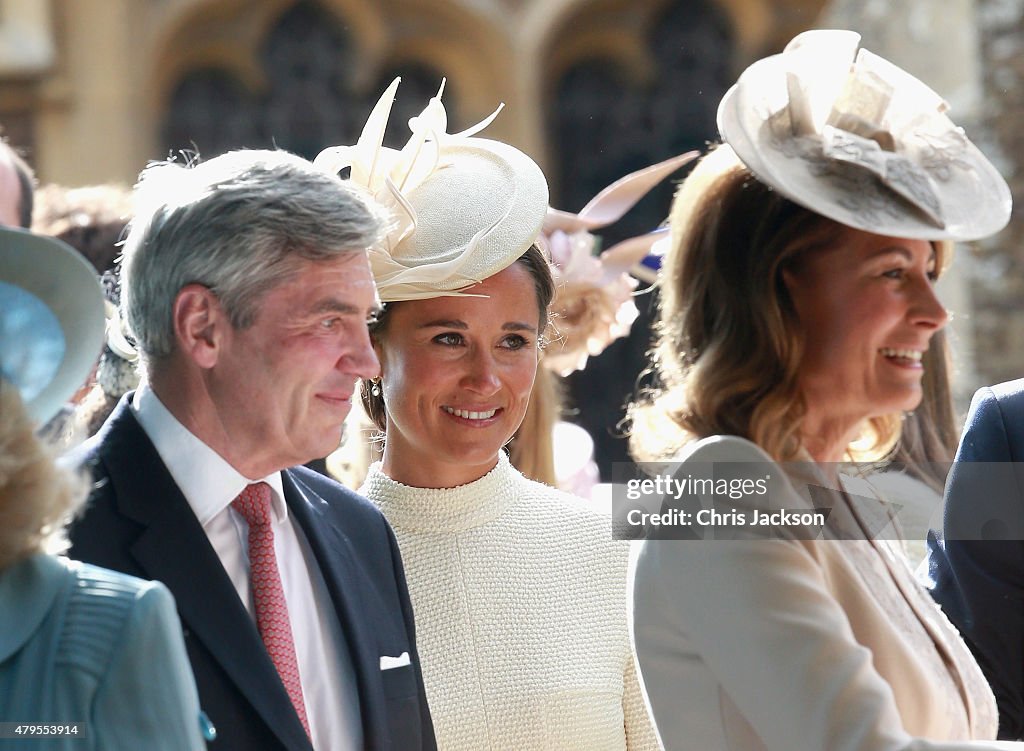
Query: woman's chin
pixel 468 453
pixel 478 456
pixel 909 401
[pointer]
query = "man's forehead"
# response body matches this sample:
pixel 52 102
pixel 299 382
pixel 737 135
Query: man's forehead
pixel 345 281
pixel 356 270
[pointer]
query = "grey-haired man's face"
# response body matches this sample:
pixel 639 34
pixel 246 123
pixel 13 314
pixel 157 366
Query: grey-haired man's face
pixel 283 385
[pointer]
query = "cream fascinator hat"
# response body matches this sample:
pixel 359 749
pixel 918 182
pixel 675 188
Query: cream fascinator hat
pixel 851 136
pixel 51 320
pixel 465 208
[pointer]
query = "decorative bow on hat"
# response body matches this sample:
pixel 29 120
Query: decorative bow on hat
pixel 464 208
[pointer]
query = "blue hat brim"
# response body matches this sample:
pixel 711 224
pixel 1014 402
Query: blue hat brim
pixel 64 282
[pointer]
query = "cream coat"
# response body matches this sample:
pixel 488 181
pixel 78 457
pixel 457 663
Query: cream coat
pixel 798 644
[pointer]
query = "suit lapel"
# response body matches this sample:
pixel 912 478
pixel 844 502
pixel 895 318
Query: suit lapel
pixel 352 599
pixel 174 549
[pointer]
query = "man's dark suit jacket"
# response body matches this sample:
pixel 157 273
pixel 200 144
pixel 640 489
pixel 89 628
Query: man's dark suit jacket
pixel 137 521
pixel 977 567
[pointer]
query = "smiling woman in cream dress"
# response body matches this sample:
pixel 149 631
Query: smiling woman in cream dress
pixel 519 590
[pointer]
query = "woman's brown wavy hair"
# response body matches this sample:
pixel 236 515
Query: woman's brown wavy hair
pixel 728 342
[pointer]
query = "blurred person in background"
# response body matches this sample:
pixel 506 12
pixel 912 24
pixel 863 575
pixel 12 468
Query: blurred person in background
pixel 593 306
pixel 94 220
pixel 797 304
pixel 78 644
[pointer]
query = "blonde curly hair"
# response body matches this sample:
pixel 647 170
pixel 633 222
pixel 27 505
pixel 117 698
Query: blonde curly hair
pixel 37 498
pixel 729 344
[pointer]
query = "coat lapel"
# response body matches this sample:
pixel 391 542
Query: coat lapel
pixel 352 599
pixel 874 515
pixel 174 549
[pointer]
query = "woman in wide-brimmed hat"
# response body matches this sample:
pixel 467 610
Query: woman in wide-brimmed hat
pixel 797 300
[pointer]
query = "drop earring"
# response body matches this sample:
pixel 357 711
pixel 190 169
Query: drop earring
pixel 375 387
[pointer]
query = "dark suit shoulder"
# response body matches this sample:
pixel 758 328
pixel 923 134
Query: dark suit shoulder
pixel 1008 390
pixel 129 483
pixel 84 456
pixel 120 432
pixel 994 428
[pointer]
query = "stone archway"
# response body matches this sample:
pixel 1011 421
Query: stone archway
pixel 301 85
pixel 304 73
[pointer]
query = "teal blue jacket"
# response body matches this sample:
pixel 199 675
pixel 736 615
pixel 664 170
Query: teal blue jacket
pixel 82 644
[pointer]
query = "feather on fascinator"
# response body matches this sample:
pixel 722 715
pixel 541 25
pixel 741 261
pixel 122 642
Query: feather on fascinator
pixel 847 134
pixel 464 208
pixel 593 303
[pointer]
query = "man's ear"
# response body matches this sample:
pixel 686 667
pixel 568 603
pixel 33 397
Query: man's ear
pixel 199 324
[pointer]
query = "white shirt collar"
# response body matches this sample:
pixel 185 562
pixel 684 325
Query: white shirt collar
pixel 208 482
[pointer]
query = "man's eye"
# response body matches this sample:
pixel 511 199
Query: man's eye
pixel 330 323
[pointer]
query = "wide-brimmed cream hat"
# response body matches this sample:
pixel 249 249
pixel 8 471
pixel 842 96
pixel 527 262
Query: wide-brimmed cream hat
pixel 464 208
pixel 51 320
pixel 853 137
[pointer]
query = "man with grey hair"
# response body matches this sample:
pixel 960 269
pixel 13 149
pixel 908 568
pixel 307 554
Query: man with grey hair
pixel 246 284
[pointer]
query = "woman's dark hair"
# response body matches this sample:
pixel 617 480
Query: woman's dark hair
pixel 544 287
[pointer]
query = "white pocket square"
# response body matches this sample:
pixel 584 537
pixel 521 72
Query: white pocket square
pixel 389 663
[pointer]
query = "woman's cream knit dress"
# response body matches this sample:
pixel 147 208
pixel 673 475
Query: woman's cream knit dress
pixel 519 594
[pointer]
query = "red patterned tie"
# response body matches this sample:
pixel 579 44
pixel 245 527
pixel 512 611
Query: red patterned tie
pixel 253 504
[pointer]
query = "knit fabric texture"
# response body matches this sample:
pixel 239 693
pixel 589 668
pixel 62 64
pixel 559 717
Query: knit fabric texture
pixel 519 594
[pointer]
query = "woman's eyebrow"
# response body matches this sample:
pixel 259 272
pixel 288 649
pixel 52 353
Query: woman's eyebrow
pixel 450 323
pixel 445 323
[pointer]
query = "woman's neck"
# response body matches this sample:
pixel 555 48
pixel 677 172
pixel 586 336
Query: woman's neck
pixel 827 439
pixel 428 472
